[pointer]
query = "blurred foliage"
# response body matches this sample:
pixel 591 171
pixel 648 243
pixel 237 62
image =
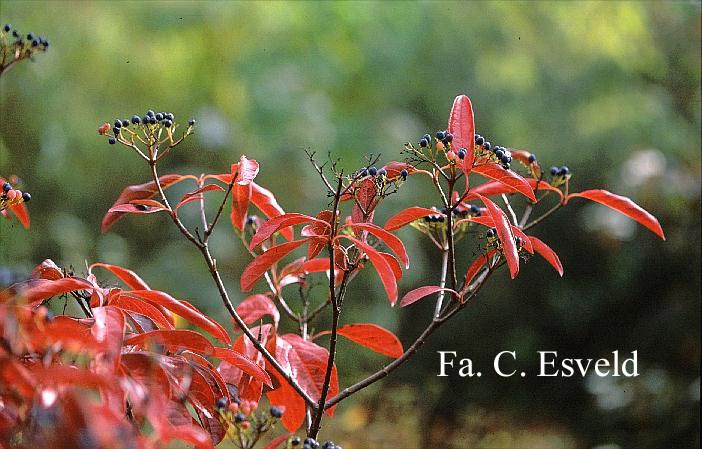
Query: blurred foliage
pixel 611 89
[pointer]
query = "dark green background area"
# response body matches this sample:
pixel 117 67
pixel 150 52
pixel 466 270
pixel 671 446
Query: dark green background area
pixel 612 89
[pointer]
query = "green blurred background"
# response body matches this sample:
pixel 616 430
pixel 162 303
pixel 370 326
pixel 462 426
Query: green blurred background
pixel 612 89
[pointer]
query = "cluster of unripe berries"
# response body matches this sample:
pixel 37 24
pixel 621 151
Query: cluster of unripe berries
pixel 501 154
pixel 10 196
pixel 311 443
pixel 32 42
pixel 149 120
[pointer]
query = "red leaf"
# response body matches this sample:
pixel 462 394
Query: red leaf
pixel 382 267
pixel 184 310
pixel 274 224
pixel 393 262
pixel 623 205
pixel 196 194
pixel 22 213
pixel 247 170
pixel 243 363
pixel 260 264
pixel 507 177
pixel 138 192
pixel 143 308
pixel 47 270
pixel 137 207
pixel 461 125
pixel 548 254
pixel 316 245
pixel 285 396
pixel 373 337
pixel 504 231
pixel 476 266
pixel 277 441
pixel 390 240
pixel 308 365
pixel 365 194
pixel 38 290
pixel 266 202
pixel 130 278
pixel 256 307
pixel 188 433
pixel 108 331
pixel 422 292
pixel 175 340
pixel 407 216
pixel 394 168
pixel 241 195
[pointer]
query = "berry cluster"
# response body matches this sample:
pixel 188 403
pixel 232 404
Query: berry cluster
pixel 310 443
pixel 17 46
pixel 559 175
pixel 148 130
pixel 499 154
pixel 10 197
pixel 373 171
pixel 493 239
pixel 241 421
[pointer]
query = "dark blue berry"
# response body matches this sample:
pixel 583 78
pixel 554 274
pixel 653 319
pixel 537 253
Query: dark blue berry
pixel 554 171
pixel 479 139
pixel 6 187
pixel 125 123
pixel 118 123
pixel 251 219
pixel 136 119
pixel 372 171
pixel 364 172
pixel 426 137
pixel 499 153
pixel 167 123
pixel 440 218
pixel 462 153
pixel 45 43
pixel 295 441
pixel 490 232
pixel 518 241
pixel 403 174
pixel 191 122
pixel 26 197
pixel 276 412
pixel 506 166
pixel 170 116
pixel 563 171
pixel 112 141
pixel 159 116
pixel 328 445
pixel 474 209
pixel 7 27
pixel 221 403
pixel 30 37
pixel 532 158
pixel 448 137
pixel 35 43
pixel 423 143
pixel 150 113
pixel 382 172
pixel 441 135
pixel 239 418
pixel 15 33
pixel 486 145
pixel 116 130
pixel 152 120
pixel 505 159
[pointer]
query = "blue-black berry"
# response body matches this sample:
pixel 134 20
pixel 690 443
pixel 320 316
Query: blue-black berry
pixel 426 137
pixel 295 441
pixel 112 141
pixel 116 130
pixel 6 187
pixel 125 123
pixel 239 418
pixel 505 159
pixel 136 119
pixel 170 116
pixel 563 171
pixel 554 171
pixel 423 142
pixel 7 27
pixel 499 153
pixel 474 209
pixel 159 116
pixel 462 153
pixel 441 135
pixel 191 122
pixel 403 174
pixel 479 139
pixel 30 37
pixel 152 120
pixel 328 445
pixel 118 123
pixel 150 113
pixel 382 172
pixel 276 412
pixel 167 123
pixel 506 166
pixel 26 197
pixel 221 403
pixel 491 232
pixel 486 145
pixel 364 172
pixel 448 137
pixel 532 158
pixel 372 171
